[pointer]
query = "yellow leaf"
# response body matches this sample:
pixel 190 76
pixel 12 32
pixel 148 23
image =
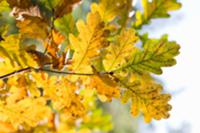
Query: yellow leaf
pixel 1 83
pixel 148 99
pixel 110 9
pixel 6 127
pixel 27 112
pixel 88 44
pixel 57 37
pixel 62 93
pixel 106 87
pixel 33 27
pixel 14 56
pixel 120 50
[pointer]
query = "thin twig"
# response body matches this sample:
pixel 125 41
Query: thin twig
pixel 45 70
pixel 63 72
pixel 15 72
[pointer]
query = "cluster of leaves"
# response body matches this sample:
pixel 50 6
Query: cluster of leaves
pixel 53 69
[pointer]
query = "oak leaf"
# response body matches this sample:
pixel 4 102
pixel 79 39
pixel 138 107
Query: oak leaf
pixel 14 55
pixel 110 9
pixel 27 112
pixel 155 54
pixel 155 9
pixel 30 27
pixel 106 87
pixel 147 98
pixel 119 50
pixel 88 44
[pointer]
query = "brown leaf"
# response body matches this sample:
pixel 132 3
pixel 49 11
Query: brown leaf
pixel 20 3
pixel 65 7
pixel 41 58
pixel 20 13
pixel 59 61
pixel 33 27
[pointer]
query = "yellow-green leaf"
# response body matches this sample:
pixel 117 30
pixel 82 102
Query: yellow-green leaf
pixel 4 6
pixel 13 56
pixel 147 98
pixel 155 9
pixel 156 53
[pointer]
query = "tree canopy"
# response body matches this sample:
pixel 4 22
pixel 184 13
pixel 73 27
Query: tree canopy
pixel 54 67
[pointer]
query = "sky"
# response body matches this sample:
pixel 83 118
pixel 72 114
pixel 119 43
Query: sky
pixel 182 80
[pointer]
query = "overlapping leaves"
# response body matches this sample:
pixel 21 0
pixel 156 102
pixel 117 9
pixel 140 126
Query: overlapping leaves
pixel 14 56
pixel 35 97
pixel 101 54
pixel 22 112
pixel 60 7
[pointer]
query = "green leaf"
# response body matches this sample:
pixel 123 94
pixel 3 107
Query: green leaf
pixel 13 56
pixel 50 4
pixel 7 24
pixel 156 53
pixel 99 121
pixel 4 6
pixel 65 24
